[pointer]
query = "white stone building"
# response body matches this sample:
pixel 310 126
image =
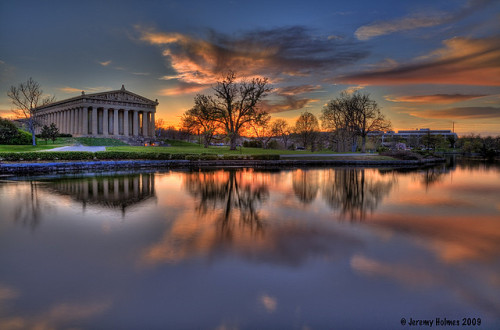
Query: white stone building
pixel 115 114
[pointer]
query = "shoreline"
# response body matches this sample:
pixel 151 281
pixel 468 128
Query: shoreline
pixel 62 167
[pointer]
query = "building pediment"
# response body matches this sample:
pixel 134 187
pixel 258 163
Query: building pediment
pixel 122 96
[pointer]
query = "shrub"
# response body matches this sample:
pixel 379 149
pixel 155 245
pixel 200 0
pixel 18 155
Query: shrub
pixel 192 157
pixel 266 157
pixel 252 144
pixel 178 156
pixel 209 157
pixel 22 137
pixel 402 155
pixel 233 157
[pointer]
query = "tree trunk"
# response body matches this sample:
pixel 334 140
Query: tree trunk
pixel 363 143
pixel 32 130
pixel 232 142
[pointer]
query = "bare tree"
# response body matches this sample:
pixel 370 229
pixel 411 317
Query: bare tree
pixel 262 129
pixel 201 119
pixel 307 127
pixel 355 114
pixel 236 104
pixel 27 97
pixel 281 129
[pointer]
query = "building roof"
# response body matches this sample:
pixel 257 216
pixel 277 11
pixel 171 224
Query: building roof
pixel 122 95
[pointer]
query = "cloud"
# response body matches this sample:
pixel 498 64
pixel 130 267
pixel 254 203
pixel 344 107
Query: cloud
pixel 184 88
pixel 105 63
pixel 287 104
pixel 295 90
pixel 69 89
pixel 289 98
pixel 459 113
pixel 352 89
pixel 367 32
pixel 279 54
pixel 463 61
pixel 416 21
pixel 434 99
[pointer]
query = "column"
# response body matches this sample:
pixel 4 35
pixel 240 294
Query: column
pixel 144 123
pixel 105 123
pixel 125 122
pixel 152 124
pixel 78 128
pixel 85 121
pixel 115 123
pixel 136 123
pixel 71 121
pixel 68 121
pixel 94 121
pixel 63 121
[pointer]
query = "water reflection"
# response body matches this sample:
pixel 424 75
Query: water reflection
pixel 353 193
pixel 227 246
pixel 114 192
pixel 229 191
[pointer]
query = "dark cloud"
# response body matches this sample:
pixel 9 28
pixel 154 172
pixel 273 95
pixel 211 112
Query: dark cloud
pixel 286 104
pixel 418 20
pixel 279 53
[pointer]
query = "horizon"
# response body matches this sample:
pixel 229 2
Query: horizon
pixel 428 64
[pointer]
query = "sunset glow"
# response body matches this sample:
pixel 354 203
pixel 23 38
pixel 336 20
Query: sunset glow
pixel 430 64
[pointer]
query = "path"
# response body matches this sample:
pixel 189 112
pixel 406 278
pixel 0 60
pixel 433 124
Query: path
pixel 78 148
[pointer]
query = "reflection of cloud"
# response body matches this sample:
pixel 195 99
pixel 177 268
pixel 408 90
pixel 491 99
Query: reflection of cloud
pixel 402 273
pixel 269 303
pixel 461 61
pixel 281 52
pixel 416 20
pixel 454 239
pixel 58 316
pixel 459 113
pixel 434 99
pixel 7 293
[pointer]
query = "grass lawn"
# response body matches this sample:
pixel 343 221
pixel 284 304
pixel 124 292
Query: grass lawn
pixel 176 147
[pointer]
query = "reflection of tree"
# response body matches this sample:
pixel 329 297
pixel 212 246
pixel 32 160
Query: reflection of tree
pixel 28 207
pixel 353 193
pixel 305 185
pixel 427 176
pixel 227 191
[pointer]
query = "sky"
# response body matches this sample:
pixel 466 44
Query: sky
pixel 428 63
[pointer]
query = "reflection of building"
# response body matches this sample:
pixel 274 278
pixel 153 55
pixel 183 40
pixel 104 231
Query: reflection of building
pixel 109 191
pixel 117 113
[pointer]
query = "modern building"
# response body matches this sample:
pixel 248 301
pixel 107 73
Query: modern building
pixel 117 114
pixel 406 134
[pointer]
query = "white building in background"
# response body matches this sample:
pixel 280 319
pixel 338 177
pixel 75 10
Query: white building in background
pixel 406 134
pixel 115 114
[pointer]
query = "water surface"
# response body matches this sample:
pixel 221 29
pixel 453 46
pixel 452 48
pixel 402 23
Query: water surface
pixel 300 248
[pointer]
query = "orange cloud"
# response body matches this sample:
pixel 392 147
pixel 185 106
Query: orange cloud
pixel 461 61
pixel 183 88
pixel 433 99
pixel 459 113
pixel 105 63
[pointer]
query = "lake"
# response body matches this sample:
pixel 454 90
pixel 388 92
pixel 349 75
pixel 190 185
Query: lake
pixel 252 249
